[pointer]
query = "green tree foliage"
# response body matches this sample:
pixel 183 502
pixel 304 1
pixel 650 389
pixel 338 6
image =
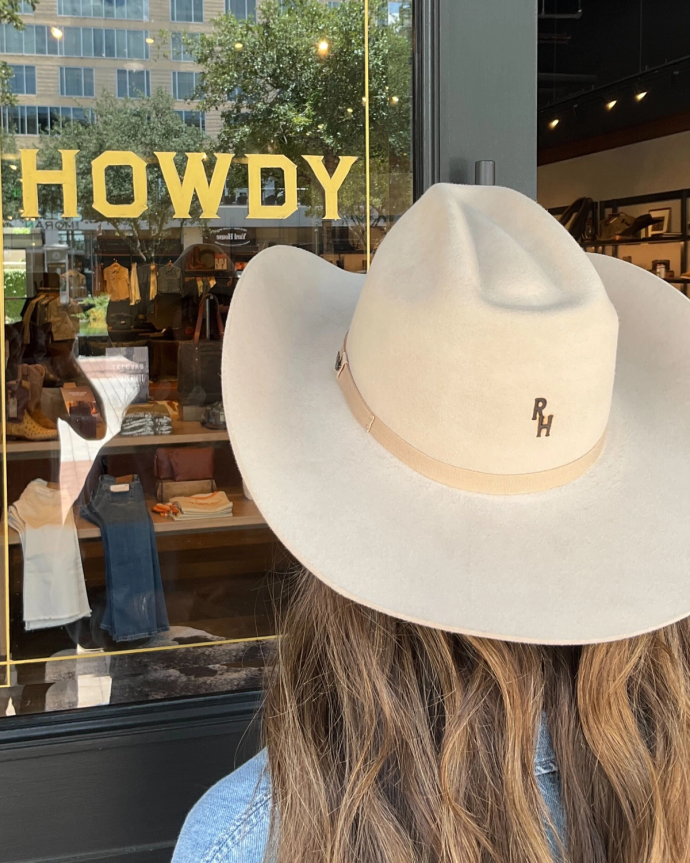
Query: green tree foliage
pixel 279 93
pixel 9 177
pixel 143 126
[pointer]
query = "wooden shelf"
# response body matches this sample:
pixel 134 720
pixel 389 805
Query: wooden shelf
pixel 245 514
pixel 182 433
pixel 633 241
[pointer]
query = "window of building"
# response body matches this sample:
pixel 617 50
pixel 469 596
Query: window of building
pixel 75 42
pixel 23 80
pixel 133 84
pixel 25 8
pixel 131 10
pixel 193 118
pixel 33 119
pixel 242 9
pixel 187 10
pixel 75 81
pixel 184 84
pixel 179 51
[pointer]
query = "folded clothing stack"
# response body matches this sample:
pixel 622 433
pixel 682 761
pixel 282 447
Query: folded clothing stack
pixel 146 420
pixel 214 505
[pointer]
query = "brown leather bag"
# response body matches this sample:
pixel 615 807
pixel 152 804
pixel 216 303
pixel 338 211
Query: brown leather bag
pixel 198 362
pixel 184 464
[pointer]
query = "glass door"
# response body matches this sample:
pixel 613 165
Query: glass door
pixel 150 149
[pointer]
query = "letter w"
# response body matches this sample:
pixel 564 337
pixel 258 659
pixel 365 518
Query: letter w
pixel 194 180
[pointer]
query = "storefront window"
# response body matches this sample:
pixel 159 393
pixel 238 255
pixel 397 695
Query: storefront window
pixel 135 190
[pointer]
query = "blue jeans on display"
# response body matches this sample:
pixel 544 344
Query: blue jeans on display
pixel 135 606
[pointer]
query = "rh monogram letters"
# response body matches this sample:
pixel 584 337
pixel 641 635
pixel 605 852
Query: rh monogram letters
pixel 543 423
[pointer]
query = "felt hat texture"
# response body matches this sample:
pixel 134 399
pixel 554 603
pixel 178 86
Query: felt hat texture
pixel 486 434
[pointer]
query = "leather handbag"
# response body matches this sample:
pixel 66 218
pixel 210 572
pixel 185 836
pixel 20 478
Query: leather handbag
pixel 184 464
pixel 198 362
pixel 167 489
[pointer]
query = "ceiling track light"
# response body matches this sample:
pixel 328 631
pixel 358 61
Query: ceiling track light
pixel 611 105
pixel 554 123
pixel 640 96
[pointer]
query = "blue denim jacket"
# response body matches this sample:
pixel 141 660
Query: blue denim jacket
pixel 230 822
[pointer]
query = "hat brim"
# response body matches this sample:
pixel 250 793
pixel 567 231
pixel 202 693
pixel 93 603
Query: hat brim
pixel 605 557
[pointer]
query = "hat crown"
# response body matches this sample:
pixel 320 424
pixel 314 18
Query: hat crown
pixel 484 336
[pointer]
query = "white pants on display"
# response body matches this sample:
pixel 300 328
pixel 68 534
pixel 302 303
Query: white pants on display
pixel 54 588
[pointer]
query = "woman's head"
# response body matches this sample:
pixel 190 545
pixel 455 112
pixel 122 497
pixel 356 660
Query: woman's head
pixel 391 742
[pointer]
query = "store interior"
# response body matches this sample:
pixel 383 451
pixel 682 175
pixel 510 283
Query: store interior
pixel 614 129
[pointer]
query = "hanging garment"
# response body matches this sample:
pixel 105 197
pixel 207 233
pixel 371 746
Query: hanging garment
pixel 169 279
pixel 63 320
pixel 116 282
pixel 54 589
pixel 135 605
pixel 204 284
pixel 98 282
pixel 73 281
pixel 26 319
pixel 153 281
pixel 134 294
pixel 147 276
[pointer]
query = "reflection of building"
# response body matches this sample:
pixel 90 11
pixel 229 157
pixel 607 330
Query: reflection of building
pixel 71 50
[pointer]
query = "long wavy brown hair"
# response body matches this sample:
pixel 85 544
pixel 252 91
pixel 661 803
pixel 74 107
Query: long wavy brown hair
pixel 390 742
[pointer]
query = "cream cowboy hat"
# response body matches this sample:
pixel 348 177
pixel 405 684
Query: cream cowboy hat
pixel 503 446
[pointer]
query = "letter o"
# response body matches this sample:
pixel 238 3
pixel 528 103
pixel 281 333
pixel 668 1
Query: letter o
pixel 100 199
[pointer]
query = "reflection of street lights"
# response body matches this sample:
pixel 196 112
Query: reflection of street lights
pixel 395 99
pixel 149 40
pixel 323 47
pixel 238 46
pixel 56 32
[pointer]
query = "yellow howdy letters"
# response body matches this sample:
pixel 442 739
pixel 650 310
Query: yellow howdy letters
pixel 181 191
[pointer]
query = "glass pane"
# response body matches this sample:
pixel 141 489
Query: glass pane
pixel 120 43
pixel 156 598
pixel 72 42
pixel 14 40
pixel 73 82
pixel 88 82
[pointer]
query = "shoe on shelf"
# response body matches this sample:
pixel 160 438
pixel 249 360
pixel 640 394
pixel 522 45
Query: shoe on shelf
pixel 43 420
pixel 29 429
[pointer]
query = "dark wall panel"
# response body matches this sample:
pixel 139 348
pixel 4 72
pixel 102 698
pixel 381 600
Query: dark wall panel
pixel 118 792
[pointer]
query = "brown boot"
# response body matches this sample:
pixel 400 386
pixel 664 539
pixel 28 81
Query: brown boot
pixel 35 374
pixel 42 419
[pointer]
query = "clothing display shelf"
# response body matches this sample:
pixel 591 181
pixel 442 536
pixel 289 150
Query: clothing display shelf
pixel 182 433
pixel 245 515
pixel 612 247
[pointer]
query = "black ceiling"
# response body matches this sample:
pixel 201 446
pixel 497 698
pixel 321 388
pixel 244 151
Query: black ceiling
pixel 592 52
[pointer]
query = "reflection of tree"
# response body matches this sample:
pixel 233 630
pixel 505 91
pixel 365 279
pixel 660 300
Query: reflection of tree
pixel 9 176
pixel 289 97
pixel 142 126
